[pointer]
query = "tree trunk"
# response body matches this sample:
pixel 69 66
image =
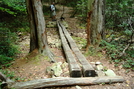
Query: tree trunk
pixel 38 32
pixel 33 31
pixel 95 22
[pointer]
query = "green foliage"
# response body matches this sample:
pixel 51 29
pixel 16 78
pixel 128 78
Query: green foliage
pixel 5 60
pixel 110 48
pixel 8 49
pixel 13 6
pixel 46 10
pixel 8 73
pixel 119 14
pixel 13 20
pixel 80 41
pixel 114 50
pixel 7 10
pixel 7 46
pixel 119 18
pixel 19 24
pixel 81 8
pixel 72 3
pixel 13 15
pixel 129 64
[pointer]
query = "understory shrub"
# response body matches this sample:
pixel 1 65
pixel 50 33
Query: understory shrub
pixel 8 49
pixel 114 51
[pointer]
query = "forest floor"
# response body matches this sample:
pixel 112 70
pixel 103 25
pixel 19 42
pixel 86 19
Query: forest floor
pixel 30 66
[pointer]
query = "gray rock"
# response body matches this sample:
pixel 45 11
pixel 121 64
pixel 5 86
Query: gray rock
pixel 78 87
pixel 100 73
pixel 51 24
pixel 99 67
pixel 110 72
pixel 55 70
pixel 98 63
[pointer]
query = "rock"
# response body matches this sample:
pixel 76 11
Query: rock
pixel 98 63
pixel 110 72
pixel 92 63
pixel 64 65
pixel 65 74
pixel 78 87
pixel 99 67
pixel 58 45
pixel 55 70
pixel 80 34
pixel 56 67
pixel 51 24
pixel 100 73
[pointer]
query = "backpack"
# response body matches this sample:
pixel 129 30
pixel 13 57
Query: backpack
pixel 50 8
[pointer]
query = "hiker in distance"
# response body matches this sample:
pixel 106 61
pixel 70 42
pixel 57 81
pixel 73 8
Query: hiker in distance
pixel 53 11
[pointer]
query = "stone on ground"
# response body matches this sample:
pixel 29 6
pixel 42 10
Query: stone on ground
pixel 110 72
pixel 51 24
pixel 100 73
pixel 78 87
pixel 55 70
pixel 100 67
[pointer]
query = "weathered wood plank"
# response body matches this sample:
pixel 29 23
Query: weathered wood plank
pixel 53 82
pixel 88 70
pixel 75 70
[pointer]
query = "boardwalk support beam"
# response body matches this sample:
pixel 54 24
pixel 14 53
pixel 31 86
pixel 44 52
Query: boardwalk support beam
pixel 53 82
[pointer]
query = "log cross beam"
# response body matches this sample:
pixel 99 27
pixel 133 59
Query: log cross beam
pixel 53 82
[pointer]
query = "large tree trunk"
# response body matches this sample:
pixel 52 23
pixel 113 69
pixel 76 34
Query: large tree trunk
pixel 33 31
pixel 37 23
pixel 95 22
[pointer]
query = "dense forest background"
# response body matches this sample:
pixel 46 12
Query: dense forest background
pixel 118 36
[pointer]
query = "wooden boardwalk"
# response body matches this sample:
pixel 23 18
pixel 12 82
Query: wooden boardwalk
pixel 78 67
pixel 75 70
pixel 74 56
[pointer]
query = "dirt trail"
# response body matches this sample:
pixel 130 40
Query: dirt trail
pixel 29 67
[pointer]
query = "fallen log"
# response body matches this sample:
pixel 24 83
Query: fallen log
pixel 53 82
pixel 3 77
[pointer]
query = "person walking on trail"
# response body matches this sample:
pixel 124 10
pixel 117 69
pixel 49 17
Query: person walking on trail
pixel 53 11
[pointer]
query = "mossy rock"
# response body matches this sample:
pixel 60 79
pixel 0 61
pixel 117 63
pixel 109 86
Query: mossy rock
pixel 51 24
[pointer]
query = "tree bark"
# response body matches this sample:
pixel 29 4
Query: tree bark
pixel 53 82
pixel 38 32
pixel 88 30
pixel 95 22
pixel 33 31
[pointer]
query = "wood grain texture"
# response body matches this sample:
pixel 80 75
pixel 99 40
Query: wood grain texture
pixel 88 70
pixel 53 82
pixel 75 70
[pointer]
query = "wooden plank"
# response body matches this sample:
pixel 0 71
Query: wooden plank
pixel 53 82
pixel 75 70
pixel 88 70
